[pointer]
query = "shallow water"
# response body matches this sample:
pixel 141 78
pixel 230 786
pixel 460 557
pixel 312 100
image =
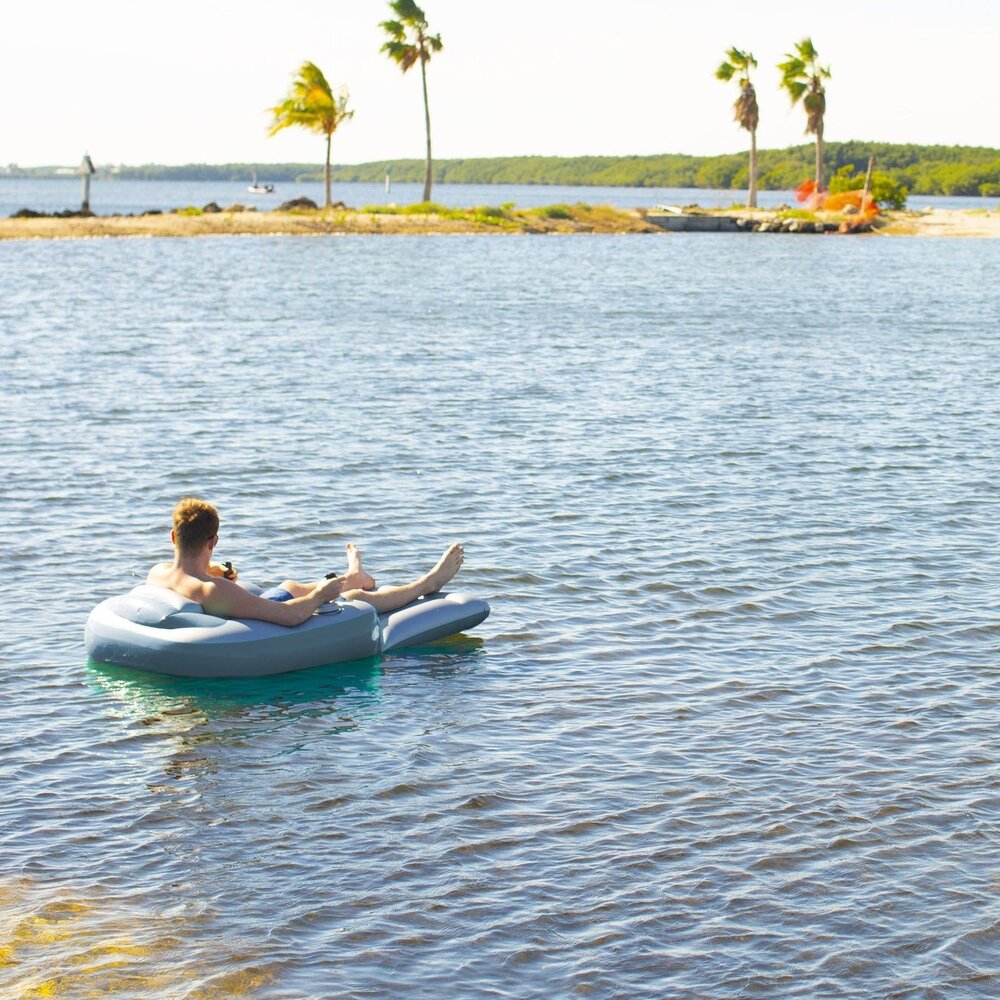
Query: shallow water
pixel 731 728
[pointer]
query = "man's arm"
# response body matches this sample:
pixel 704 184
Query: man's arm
pixel 226 599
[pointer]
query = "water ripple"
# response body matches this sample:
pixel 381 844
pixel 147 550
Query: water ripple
pixel 730 729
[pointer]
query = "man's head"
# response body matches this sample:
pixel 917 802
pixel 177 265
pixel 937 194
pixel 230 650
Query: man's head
pixel 196 523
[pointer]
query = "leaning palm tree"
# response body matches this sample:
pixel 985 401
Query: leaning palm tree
pixel 312 105
pixel 408 44
pixel 803 79
pixel 745 111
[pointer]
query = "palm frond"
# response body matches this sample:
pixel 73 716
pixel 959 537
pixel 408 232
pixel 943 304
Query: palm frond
pixel 401 53
pixel 806 50
pixel 408 42
pixel 744 61
pixel 393 29
pixel 795 88
pixel 394 49
pixel 409 13
pixel 311 76
pixel 301 119
pixel 311 104
pixel 726 71
pixel 792 68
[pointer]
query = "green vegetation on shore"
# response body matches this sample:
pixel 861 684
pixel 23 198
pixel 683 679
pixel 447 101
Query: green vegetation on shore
pixel 948 170
pixel 942 170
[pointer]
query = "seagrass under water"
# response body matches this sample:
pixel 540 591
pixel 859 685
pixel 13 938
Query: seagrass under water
pixel 731 728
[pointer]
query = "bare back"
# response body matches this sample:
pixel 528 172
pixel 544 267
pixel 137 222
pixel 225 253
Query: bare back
pixel 194 588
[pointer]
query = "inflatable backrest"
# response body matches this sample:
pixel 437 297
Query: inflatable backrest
pixel 158 607
pixel 169 597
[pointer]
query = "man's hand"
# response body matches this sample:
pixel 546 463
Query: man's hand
pixel 226 570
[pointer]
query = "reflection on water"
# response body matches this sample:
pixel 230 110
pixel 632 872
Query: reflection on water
pixel 279 698
pixel 184 703
pixel 212 719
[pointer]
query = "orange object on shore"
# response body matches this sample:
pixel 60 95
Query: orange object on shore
pixel 823 201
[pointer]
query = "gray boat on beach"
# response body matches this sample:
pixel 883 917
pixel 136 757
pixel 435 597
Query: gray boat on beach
pixel 676 220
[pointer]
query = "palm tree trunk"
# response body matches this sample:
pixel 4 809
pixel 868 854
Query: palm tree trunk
pixel 326 172
pixel 819 157
pixel 427 124
pixel 752 192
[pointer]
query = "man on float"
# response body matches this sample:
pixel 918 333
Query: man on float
pixel 192 574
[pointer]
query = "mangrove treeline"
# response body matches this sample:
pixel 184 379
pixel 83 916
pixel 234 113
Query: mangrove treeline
pixel 941 170
pixel 949 170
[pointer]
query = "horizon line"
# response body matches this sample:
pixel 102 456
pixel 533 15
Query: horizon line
pixel 13 164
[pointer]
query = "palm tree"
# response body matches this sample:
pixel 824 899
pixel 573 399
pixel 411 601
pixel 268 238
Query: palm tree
pixel 803 79
pixel 312 104
pixel 408 44
pixel 745 111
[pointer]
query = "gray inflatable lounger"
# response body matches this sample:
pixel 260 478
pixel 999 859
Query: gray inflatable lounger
pixel 155 629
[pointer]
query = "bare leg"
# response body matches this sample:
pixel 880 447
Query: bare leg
pixel 392 598
pixel 355 578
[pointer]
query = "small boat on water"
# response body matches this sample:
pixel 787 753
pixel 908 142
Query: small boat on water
pixel 256 188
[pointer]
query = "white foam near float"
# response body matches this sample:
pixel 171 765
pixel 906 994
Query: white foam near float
pixel 155 629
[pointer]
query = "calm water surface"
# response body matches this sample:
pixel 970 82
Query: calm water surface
pixel 133 196
pixel 731 730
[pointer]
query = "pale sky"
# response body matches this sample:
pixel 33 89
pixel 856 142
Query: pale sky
pixel 190 80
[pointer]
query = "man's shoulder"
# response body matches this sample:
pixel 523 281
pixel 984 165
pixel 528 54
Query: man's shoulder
pixel 158 572
pixel 186 585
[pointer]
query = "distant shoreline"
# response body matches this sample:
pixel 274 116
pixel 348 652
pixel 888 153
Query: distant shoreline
pixel 554 219
pixel 950 171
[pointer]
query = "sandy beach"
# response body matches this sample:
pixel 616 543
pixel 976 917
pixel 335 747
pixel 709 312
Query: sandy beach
pixel 556 219
pixel 978 223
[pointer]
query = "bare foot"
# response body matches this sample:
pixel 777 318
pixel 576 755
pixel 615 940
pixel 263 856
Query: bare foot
pixel 447 566
pixel 356 578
